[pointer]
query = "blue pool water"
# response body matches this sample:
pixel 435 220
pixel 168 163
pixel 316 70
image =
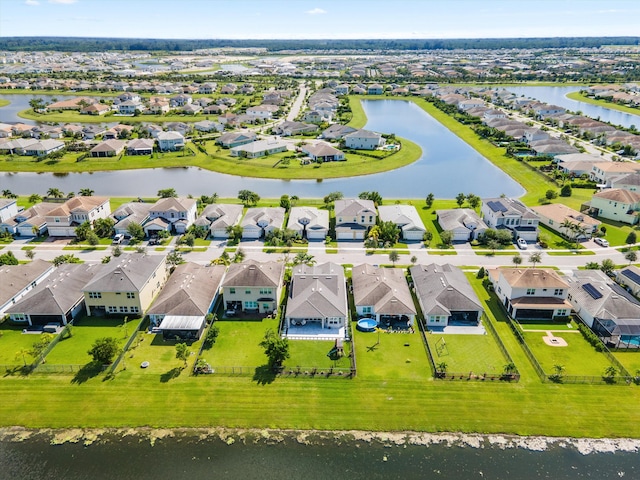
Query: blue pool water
pixel 630 340
pixel 367 325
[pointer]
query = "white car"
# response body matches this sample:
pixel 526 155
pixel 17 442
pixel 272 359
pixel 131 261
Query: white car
pixel 118 238
pixel 522 244
pixel 603 242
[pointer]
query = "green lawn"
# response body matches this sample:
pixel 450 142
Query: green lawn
pixel 603 103
pixel 161 355
pixel 630 360
pixel 578 357
pixel 313 354
pixel 3 102
pixel 12 344
pixel 237 343
pixel 467 353
pixel 398 357
pixel 85 331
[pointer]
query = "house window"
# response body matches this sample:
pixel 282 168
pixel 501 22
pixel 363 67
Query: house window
pixel 232 290
pixel 370 218
pixel 558 291
pixel 562 313
pixel 247 291
pixel 95 295
pixel 265 291
pixel 135 310
pixel 112 309
pixel 124 309
pixel 131 295
pixel 366 309
pixel 251 305
pixel 531 291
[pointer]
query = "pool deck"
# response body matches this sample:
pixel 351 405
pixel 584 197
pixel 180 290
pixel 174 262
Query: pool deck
pixel 313 332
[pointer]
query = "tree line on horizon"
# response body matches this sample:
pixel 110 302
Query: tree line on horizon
pixel 88 44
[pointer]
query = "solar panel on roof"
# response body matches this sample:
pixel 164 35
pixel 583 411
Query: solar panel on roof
pixel 631 275
pixel 497 206
pixel 591 290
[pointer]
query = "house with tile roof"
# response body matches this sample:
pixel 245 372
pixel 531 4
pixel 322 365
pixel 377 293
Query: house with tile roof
pixel 63 220
pixel 555 215
pixel 176 213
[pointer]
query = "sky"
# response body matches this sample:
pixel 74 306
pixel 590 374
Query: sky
pixel 319 19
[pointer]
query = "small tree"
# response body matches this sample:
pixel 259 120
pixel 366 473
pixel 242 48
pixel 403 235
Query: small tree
pixel 535 258
pixel 30 254
pixel 551 194
pixel 285 202
pixel 607 266
pixel 167 192
pixel 610 373
pixel 631 256
pixel 394 256
pixel 8 259
pixel 275 348
pixel 175 258
pixel 40 345
pixel 447 237
pixel 631 238
pixel 104 350
pixel 429 201
pixel 558 373
pixel 136 231
pixel 211 337
pixel 116 251
pixel 460 198
pixel 413 260
pixel 516 259
pixel 248 198
pixel 493 245
pixel 428 236
pixel 183 352
pixel 565 191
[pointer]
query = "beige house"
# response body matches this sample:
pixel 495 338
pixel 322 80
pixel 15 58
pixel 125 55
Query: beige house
pixel 616 204
pixel 555 215
pixel 354 217
pixel 253 286
pixel 62 221
pixel 127 285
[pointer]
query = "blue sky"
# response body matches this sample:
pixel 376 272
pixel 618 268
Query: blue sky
pixel 320 18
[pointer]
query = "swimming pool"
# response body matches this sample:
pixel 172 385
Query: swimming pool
pixel 367 325
pixel 630 340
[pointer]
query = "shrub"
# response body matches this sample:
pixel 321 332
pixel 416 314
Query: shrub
pixel 631 238
pixel 565 191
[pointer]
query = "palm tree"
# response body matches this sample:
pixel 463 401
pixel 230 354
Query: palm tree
pixel 54 193
pixel 86 192
pixel 394 256
pixel 8 194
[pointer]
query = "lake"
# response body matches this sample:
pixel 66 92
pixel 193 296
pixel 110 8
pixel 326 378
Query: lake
pixel 448 166
pixel 185 455
pixel 557 96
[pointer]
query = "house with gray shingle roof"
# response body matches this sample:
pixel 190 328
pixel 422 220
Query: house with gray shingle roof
pixel 363 140
pixel 511 214
pixel 259 221
pixel 354 216
pixel 611 312
pixel 253 286
pixel 126 285
pixel 17 280
pixel 309 222
pixel 445 296
pixel 58 298
pixel 180 309
pixel 178 212
pixel 464 223
pixel 217 217
pixel 383 294
pixel 407 219
pixel 317 300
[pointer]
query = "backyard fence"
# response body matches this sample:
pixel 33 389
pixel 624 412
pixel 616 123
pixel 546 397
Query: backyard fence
pixel 40 359
pixel 61 368
pixel 112 368
pixel 239 371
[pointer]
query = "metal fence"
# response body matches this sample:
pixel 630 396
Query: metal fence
pixel 239 371
pixel 112 368
pixel 61 368
pixel 40 359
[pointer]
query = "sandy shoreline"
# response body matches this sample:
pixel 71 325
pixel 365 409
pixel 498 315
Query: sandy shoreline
pixel 230 436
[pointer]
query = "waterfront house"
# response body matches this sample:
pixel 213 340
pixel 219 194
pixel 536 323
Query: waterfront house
pixel 512 215
pixel 363 140
pixel 445 296
pixel 309 222
pixel 259 221
pixel 170 141
pixel 464 223
pixel 531 293
pixel 383 294
pixel 322 152
pixel 108 148
pixel 217 217
pixel 126 285
pixel 253 286
pixel 616 204
pixel 140 146
pixel 190 293
pixel 178 213
pixel 63 220
pixel 235 139
pixel 8 208
pixel 407 218
pixel 128 213
pixel 30 222
pixel 259 148
pixel 556 215
pixel 354 217
pixel 18 280
pixel 317 301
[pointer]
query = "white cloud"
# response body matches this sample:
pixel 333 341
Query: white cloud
pixel 316 11
pixel 32 3
pixel 63 2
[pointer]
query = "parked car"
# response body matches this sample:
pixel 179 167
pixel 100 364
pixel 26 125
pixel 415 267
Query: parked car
pixel 603 242
pixel 118 238
pixel 522 244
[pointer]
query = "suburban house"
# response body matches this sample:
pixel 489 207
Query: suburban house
pixel 316 117
pixel 322 152
pixel 630 277
pixel 253 286
pixel 259 221
pixel 511 214
pixel 58 298
pixel 605 172
pixel 616 204
pixel 178 212
pixel 354 217
pixel 629 182
pixel 464 223
pixel 309 222
pixel 445 296
pixel 317 301
pixel 235 139
pixel 555 216
pixel 336 131
pixel 263 112
pixel 375 89
pixel 208 126
pixel 130 107
pixel 170 141
pixel 30 222
pixel 407 218
pixel 128 213
pixel 126 285
pixel 259 148
pixel 8 208
pixel 190 293
pixel 108 148
pixel 383 294
pixel 63 220
pixel 217 217
pixel 140 146
pixel 288 128
pixel 531 293
pixel 96 109
pixel 18 280
pixel 363 140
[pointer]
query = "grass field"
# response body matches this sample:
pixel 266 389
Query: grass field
pixel 312 353
pixel 630 360
pixel 13 343
pixel 85 331
pixel 237 343
pixel 603 103
pixel 4 103
pixel 467 353
pixel 577 358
